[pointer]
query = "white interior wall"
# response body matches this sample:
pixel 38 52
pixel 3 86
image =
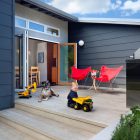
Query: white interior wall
pixel 32 52
pixel 42 47
pixel 35 47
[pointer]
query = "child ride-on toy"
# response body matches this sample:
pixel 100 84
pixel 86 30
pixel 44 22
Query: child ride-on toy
pixel 84 103
pixel 27 93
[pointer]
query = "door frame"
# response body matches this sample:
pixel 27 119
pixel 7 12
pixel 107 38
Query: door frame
pixel 26 38
pixel 52 53
pixel 75 60
pixel 24 35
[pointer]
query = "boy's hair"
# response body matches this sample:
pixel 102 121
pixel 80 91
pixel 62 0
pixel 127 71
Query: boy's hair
pixel 74 84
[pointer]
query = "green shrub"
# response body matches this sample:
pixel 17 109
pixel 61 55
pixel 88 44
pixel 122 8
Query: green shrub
pixel 129 126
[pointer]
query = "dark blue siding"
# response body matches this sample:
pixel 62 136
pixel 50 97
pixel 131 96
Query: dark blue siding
pixel 105 44
pixel 6 53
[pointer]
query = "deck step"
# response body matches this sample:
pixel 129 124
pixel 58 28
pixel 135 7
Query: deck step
pixel 42 128
pixel 8 133
pixel 76 121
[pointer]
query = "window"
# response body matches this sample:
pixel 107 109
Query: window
pixel 20 22
pixel 36 26
pixel 52 31
pixel 33 25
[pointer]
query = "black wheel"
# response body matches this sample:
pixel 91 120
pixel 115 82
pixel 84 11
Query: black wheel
pixel 86 108
pixel 28 96
pixel 77 107
pixel 71 105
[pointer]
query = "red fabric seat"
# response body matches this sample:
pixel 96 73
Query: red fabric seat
pixel 80 74
pixel 107 74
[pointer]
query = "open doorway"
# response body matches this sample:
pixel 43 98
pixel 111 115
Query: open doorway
pixel 42 55
pixel 50 61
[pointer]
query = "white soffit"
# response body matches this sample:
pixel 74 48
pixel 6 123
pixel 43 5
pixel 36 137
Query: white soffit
pixel 111 21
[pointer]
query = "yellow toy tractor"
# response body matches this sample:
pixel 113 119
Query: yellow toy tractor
pixel 84 103
pixel 27 93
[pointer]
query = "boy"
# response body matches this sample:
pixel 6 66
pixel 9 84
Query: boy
pixel 72 94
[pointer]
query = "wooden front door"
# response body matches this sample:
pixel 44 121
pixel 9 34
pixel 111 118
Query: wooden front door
pixel 52 58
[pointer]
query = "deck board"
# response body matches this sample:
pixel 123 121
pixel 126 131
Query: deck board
pixel 108 105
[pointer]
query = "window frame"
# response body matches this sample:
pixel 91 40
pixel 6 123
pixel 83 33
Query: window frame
pixel 26 24
pixel 35 23
pixel 27 21
pixel 54 29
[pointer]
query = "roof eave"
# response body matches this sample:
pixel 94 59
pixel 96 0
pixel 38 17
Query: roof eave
pixel 49 10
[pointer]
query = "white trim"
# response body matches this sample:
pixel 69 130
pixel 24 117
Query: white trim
pixel 21 19
pixel 24 60
pixel 31 21
pixel 19 90
pixel 44 25
pixel 111 21
pixel 31 37
pixel 54 29
pixel 36 31
pixel 27 58
pixel 23 42
pixel 36 22
pixel 26 38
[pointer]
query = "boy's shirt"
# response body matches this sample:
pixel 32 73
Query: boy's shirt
pixel 71 95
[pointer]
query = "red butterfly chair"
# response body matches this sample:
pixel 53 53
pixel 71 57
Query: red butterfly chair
pixel 80 74
pixel 108 75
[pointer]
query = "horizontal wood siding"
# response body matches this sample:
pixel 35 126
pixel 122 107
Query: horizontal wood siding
pixel 105 44
pixel 6 53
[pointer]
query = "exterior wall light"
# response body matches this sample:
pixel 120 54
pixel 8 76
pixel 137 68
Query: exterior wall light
pixel 81 43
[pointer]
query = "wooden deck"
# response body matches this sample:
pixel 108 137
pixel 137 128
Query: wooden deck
pixel 108 105
pixel 52 119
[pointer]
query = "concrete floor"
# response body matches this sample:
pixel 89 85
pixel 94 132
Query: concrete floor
pixel 108 105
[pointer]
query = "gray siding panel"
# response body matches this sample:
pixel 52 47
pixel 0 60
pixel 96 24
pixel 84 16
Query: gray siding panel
pixel 115 47
pixel 5 32
pixel 117 40
pixel 4 56
pixel 6 53
pixel 5 43
pixel 6 20
pixel 107 61
pixel 5 66
pixel 5 8
pixel 9 2
pixel 107 34
pixel 102 55
pixel 5 78
pixel 5 90
pixel 105 44
pixel 5 102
